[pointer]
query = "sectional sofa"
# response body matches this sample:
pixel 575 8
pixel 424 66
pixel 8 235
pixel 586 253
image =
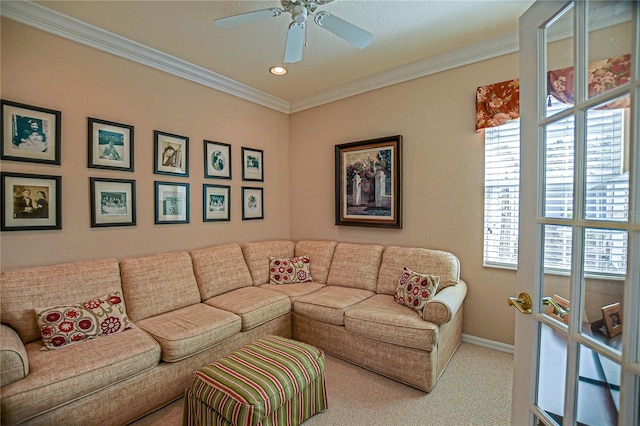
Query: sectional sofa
pixel 182 310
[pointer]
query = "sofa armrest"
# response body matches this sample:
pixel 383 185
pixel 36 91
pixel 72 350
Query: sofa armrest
pixel 445 304
pixel 14 364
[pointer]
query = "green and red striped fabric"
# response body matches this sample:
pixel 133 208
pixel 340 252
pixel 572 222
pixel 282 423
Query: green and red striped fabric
pixel 273 381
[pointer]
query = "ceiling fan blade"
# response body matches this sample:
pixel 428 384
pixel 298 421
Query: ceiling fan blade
pixel 295 42
pixel 246 18
pixel 343 29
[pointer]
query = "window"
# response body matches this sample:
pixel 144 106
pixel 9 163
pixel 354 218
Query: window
pixel 606 186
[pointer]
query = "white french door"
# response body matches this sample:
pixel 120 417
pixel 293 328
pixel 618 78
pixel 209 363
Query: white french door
pixel 577 355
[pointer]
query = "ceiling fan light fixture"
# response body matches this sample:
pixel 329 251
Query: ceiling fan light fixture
pixel 278 70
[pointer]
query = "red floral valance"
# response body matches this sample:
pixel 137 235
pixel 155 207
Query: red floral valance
pixel 499 103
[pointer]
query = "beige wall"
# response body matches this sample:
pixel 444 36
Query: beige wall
pixel 443 175
pixel 47 71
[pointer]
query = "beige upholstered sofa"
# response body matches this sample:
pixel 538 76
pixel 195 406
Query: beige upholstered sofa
pixel 190 308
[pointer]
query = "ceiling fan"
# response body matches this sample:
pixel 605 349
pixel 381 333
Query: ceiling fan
pixel 300 10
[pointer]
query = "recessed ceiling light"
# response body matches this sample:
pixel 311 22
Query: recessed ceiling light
pixel 278 70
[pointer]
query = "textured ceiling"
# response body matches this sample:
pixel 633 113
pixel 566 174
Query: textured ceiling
pixel 403 32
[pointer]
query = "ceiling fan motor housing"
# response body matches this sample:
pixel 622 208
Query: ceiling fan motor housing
pixel 299 13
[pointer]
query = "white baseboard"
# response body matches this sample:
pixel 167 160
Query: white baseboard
pixel 485 343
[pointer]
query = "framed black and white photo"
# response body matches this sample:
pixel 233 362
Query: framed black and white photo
pixel 252 164
pixel 30 133
pixel 110 145
pixel 31 202
pixel 113 202
pixel 171 154
pixel 217 160
pixel 369 183
pixel 172 202
pixel 217 203
pixel 252 203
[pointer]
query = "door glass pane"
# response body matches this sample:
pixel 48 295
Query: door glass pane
pixel 598 398
pixel 607 162
pixel 559 168
pixel 610 45
pixel 557 265
pixel 552 372
pixel 560 54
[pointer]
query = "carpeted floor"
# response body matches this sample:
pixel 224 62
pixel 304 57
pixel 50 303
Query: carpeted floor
pixel 475 389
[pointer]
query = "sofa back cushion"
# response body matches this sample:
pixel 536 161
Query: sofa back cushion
pixel 355 265
pixel 220 269
pixel 257 256
pixel 153 285
pixel 421 260
pixel 23 290
pixel 320 255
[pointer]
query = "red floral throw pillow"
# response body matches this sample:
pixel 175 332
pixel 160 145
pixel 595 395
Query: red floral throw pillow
pixel 414 289
pixel 288 271
pixel 65 325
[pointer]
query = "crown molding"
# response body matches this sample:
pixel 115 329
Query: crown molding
pixel 45 19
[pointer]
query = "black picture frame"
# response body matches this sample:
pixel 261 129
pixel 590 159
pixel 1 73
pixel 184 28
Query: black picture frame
pixel 252 164
pixel 172 202
pixel 30 133
pixel 368 179
pixel 252 203
pixel 113 202
pixel 42 210
pixel 110 145
pixel 217 160
pixel 171 154
pixel 216 203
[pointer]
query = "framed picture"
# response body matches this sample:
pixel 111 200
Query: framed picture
pixel 31 202
pixel 172 202
pixel 113 202
pixel 252 164
pixel 217 160
pixel 30 133
pixel 217 203
pixel 110 145
pixel 612 316
pixel 252 203
pixel 171 154
pixel 368 183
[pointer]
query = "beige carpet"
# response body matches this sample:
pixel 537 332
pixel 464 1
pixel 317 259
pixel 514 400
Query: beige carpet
pixel 475 389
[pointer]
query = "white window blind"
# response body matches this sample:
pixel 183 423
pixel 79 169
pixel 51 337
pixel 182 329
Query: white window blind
pixel 607 193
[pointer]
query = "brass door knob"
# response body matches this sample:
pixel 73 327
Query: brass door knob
pixel 522 302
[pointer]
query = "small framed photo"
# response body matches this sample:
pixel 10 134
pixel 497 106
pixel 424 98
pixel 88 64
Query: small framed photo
pixel 171 154
pixel 252 203
pixel 110 145
pixel 217 203
pixel 113 202
pixel 30 133
pixel 217 160
pixel 172 202
pixel 252 164
pixel 31 202
pixel 612 316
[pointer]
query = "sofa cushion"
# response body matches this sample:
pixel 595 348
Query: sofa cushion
pixel 356 266
pixel 220 269
pixel 294 291
pixel 57 377
pixel 289 270
pixel 329 303
pixel 257 255
pixel 153 285
pixel 381 318
pixel 254 305
pixel 433 262
pixel 189 330
pixel 66 325
pixel 23 290
pixel 320 253
pixel 415 290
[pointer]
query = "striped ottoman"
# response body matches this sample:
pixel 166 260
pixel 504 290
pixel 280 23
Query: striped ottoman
pixel 273 381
